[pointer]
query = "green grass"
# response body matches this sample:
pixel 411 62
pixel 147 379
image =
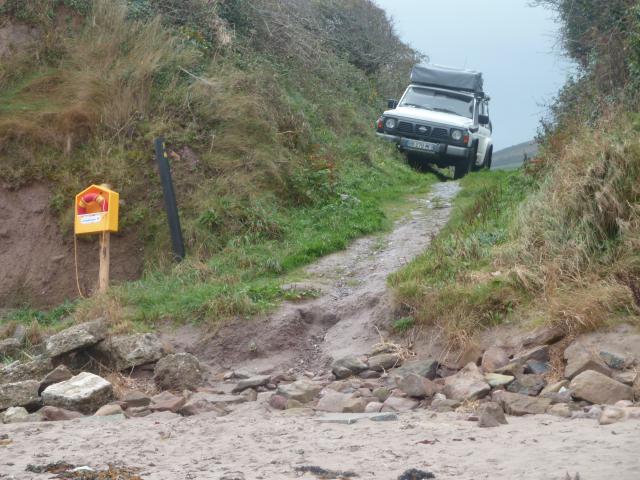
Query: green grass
pixel 453 285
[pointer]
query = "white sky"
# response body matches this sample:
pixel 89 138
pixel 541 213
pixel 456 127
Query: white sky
pixel 513 44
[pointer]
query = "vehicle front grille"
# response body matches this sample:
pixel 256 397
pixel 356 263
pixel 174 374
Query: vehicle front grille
pixel 405 127
pixel 423 130
pixel 440 133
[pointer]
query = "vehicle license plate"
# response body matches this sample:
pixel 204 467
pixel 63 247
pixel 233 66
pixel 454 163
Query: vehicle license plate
pixel 426 146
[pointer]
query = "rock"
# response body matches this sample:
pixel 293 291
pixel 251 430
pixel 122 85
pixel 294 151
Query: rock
pixel 9 347
pixel 373 407
pixel 560 410
pixel 518 405
pixel 79 336
pixel 513 369
pixel 167 402
pixel 347 366
pixel 253 382
pixel 223 401
pixel 611 415
pixel 627 377
pixel 490 415
pixel 543 336
pixel 19 394
pixel 355 405
pixel 562 396
pixel 415 474
pixel 137 412
pixel 467 384
pixel 180 371
pixel 59 374
pixel 278 402
pixel 399 404
pixel 537 368
pixel 424 368
pixel 291 404
pixel 302 391
pixel 554 387
pixel 56 414
pixel 496 380
pixel 494 358
pixel 200 403
pixel 530 385
pixel 36 369
pixel 416 386
pixel 580 359
pixel 369 374
pixel 19 333
pixel 123 352
pixel 108 410
pixel 594 387
pixel 624 404
pixel 613 360
pixel 442 404
pixel 15 415
pixel 84 393
pixel 333 402
pixel 351 418
pixel 636 388
pixel 384 361
pixel 135 398
pixel 541 354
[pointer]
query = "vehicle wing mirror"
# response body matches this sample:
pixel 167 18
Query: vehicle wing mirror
pixel 483 119
pixel 392 104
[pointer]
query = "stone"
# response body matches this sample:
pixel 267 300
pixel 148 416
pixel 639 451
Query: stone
pixel 527 385
pixel 580 358
pixel 554 387
pixel 381 393
pixel 355 405
pixel 347 366
pixel 627 377
pixel 594 387
pixel 56 414
pixel 19 394
pixel 15 415
pixel 468 384
pixel 108 410
pixel 636 388
pixel 167 402
pixel 373 407
pixel 124 352
pixel 424 368
pixel 79 336
pixel 560 410
pixel 19 333
pixel 369 374
pixel 442 404
pixel 84 393
pixel 540 353
pixel 416 386
pixel 490 415
pixel 543 336
pixel 36 369
pixel 60 374
pixel 333 402
pixel 518 405
pixel 624 404
pixel 496 380
pixel 253 382
pixel 200 403
pixel 278 402
pixel 294 404
pixel 494 358
pixel 135 398
pixel 399 404
pixel 384 361
pixel 179 371
pixel 302 391
pixel 562 396
pixel 351 418
pixel 613 360
pixel 251 394
pixel 537 368
pixel 223 400
pixel 9 347
pixel 137 412
pixel 513 369
pixel 612 415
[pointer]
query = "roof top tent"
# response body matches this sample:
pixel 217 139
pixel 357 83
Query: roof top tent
pixel 450 78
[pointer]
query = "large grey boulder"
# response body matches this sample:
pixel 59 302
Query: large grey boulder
pixel 467 384
pixel 180 371
pixel 302 391
pixel 416 386
pixel 341 403
pixel 347 366
pixel 9 347
pixel 494 358
pixel 490 415
pixel 127 351
pixel 517 404
pixel 36 369
pixel 384 361
pixel 15 415
pixel 530 385
pixel 19 394
pixel 597 388
pixel 79 336
pixel 60 374
pixel 84 393
pixel 424 368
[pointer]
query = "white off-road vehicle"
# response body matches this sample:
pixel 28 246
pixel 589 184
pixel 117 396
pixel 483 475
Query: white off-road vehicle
pixel 442 119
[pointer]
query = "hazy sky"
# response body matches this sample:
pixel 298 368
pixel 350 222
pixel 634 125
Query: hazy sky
pixel 513 44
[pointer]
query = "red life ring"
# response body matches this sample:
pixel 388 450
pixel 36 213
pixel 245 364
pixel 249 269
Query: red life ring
pixel 92 197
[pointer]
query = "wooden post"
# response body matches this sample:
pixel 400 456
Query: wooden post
pixel 103 276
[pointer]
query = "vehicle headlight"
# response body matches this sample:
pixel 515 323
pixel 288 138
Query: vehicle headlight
pixel 390 123
pixel 456 135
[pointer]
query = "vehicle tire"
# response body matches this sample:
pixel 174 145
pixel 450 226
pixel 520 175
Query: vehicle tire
pixel 461 169
pixel 488 159
pixel 416 161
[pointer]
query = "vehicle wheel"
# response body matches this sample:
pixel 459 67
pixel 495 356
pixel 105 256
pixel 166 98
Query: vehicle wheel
pixel 417 162
pixel 489 159
pixel 461 169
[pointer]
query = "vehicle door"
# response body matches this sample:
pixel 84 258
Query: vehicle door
pixel 484 131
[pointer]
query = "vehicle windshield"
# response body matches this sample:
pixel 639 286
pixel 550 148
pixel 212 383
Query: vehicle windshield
pixel 438 101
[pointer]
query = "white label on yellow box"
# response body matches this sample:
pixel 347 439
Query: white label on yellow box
pixel 91 218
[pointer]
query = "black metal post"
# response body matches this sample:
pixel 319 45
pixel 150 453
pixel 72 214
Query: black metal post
pixel 169 200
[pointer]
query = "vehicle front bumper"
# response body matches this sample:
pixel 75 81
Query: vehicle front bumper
pixel 445 149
